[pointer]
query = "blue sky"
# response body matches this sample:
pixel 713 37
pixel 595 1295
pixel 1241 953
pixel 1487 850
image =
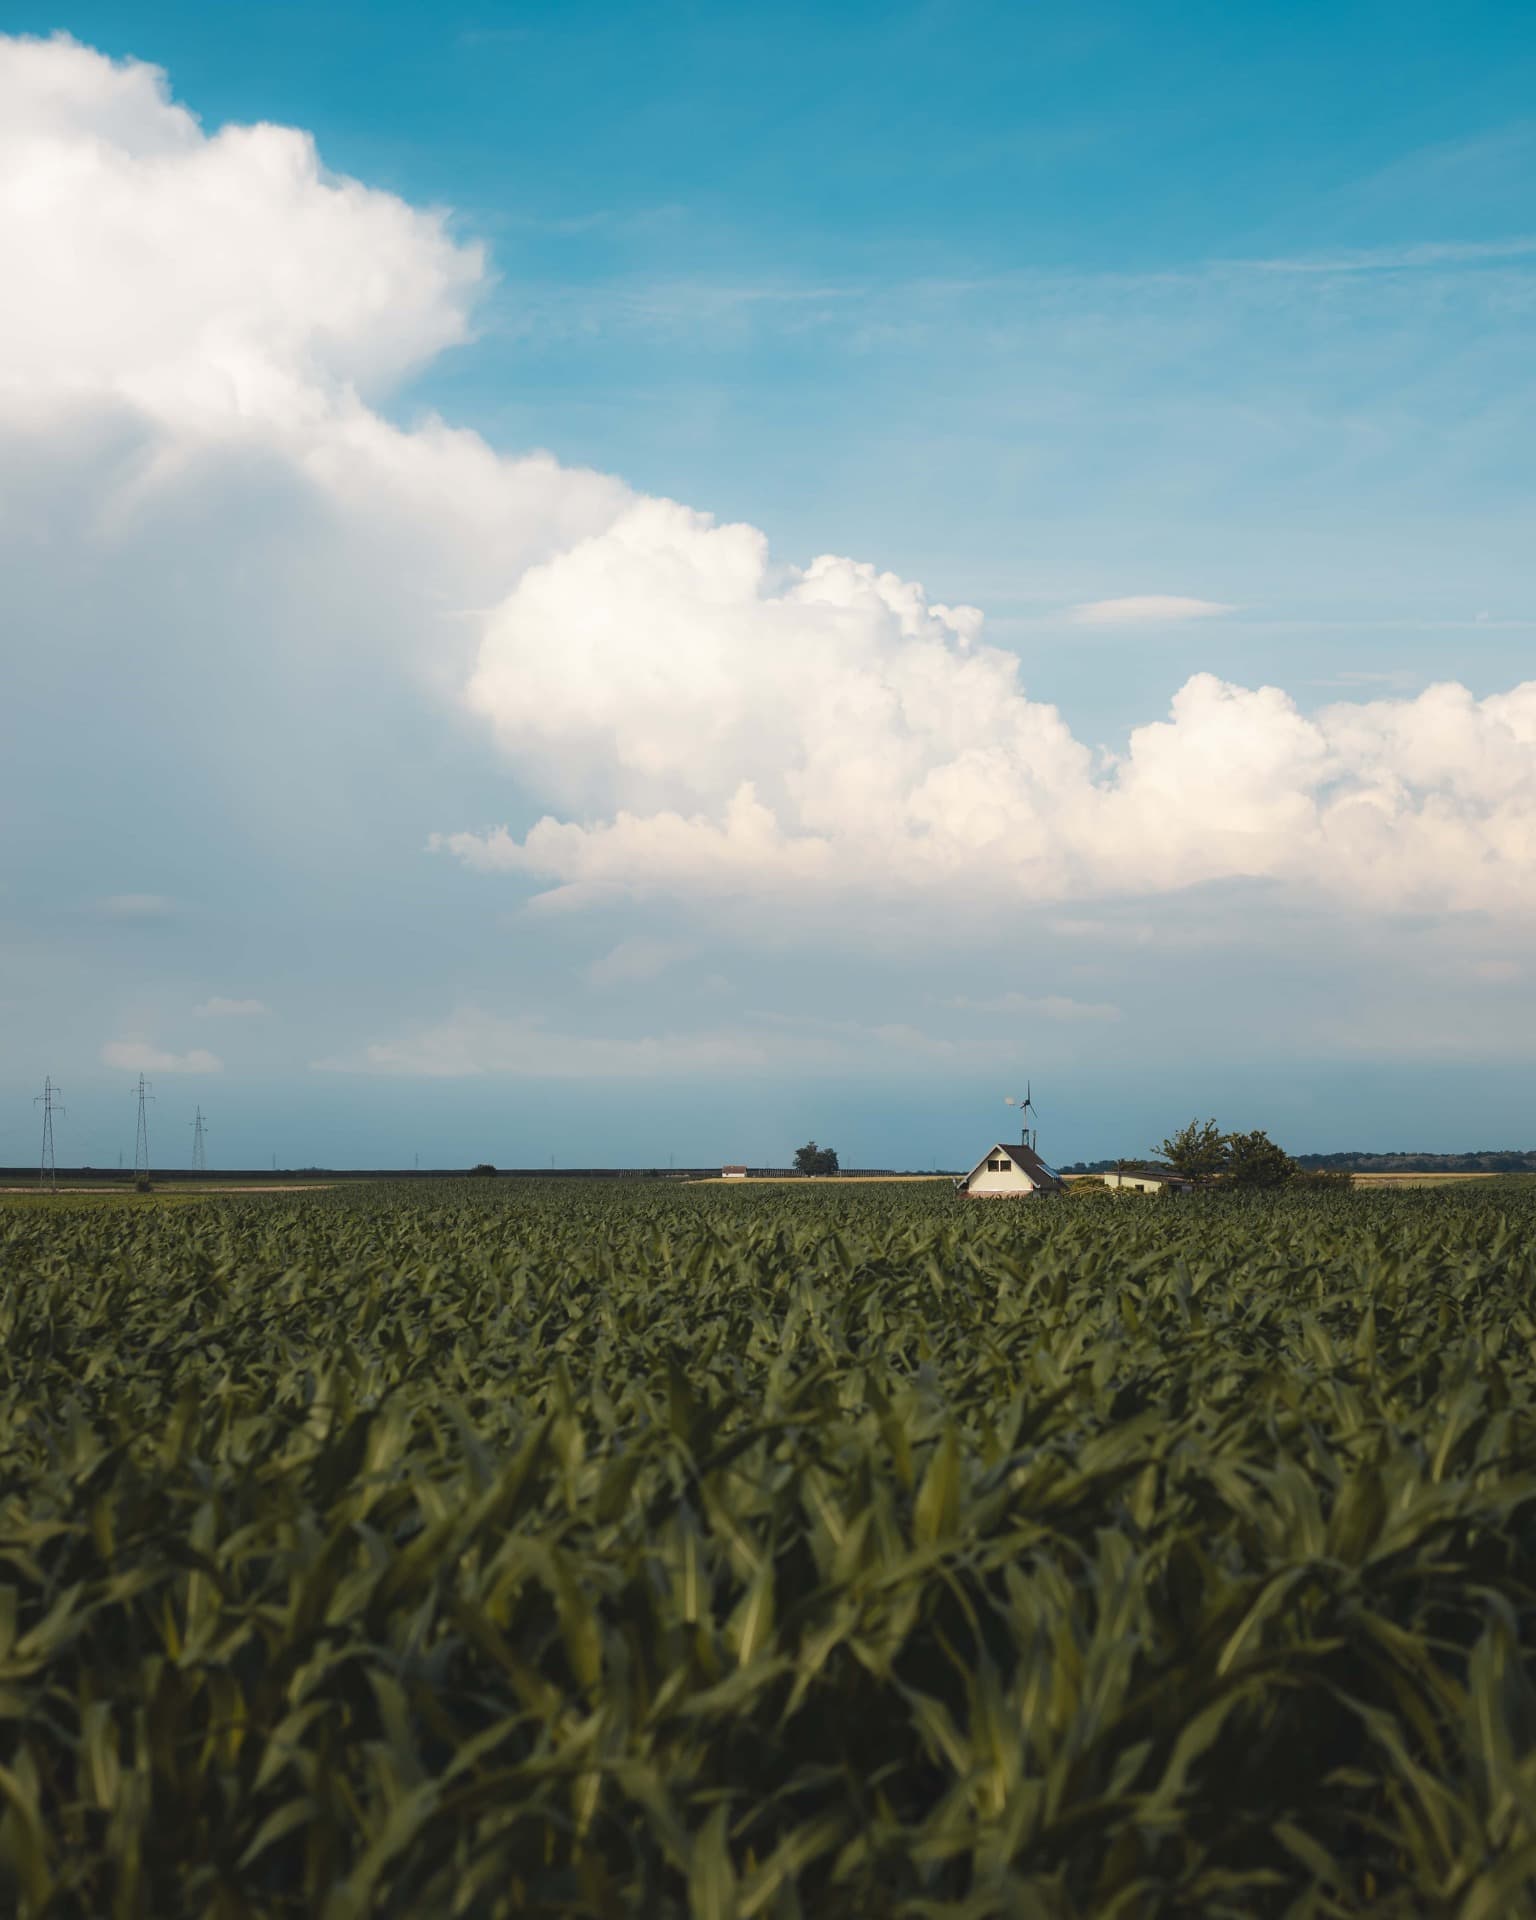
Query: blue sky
pixel 1050 311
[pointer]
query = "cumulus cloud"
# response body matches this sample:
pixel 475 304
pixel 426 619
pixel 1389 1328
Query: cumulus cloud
pixel 244 272
pixel 201 323
pixel 1146 609
pixel 218 1008
pixel 207 314
pixel 820 732
pixel 137 1056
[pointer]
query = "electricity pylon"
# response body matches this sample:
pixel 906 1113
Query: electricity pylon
pixel 48 1100
pixel 141 1138
pixel 199 1149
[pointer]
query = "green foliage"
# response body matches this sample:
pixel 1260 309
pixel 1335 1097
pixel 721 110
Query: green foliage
pixel 521 1548
pixel 483 1169
pixel 1254 1160
pixel 1249 1161
pixel 1199 1151
pixel 811 1159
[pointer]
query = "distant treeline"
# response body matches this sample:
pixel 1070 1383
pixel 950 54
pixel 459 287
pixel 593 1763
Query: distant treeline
pixel 1485 1160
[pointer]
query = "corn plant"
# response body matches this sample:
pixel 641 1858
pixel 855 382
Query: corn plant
pixel 709 1554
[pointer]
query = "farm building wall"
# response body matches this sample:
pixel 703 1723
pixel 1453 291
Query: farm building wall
pixel 984 1183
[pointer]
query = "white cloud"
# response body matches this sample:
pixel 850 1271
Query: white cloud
pixel 244 275
pixel 137 906
pixel 137 1056
pixel 218 1008
pixel 816 734
pixel 204 316
pixel 1146 609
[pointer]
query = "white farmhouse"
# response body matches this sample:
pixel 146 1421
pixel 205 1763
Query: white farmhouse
pixel 733 1173
pixel 1009 1171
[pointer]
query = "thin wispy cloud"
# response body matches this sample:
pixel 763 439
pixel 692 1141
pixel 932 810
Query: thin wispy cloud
pixel 487 39
pixel 1146 609
pixel 1047 1006
pixel 139 1056
pixel 1430 253
pixel 874 311
pixel 1437 180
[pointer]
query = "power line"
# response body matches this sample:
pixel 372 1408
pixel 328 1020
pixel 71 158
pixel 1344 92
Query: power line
pixel 48 1173
pixel 199 1149
pixel 141 1138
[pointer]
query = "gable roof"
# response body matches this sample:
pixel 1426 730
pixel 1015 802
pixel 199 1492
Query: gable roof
pixel 1024 1158
pixel 1028 1161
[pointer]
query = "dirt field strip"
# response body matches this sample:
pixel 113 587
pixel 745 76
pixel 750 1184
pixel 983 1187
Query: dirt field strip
pixel 1418 1179
pixel 812 1179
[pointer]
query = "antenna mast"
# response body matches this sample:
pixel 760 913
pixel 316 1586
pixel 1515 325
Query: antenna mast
pixel 141 1138
pixel 47 1172
pixel 199 1148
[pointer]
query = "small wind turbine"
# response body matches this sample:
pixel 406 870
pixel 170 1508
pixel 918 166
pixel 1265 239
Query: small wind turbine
pixel 1026 1107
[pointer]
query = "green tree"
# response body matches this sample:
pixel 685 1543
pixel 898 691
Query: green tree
pixel 1254 1160
pixel 811 1159
pixel 1198 1151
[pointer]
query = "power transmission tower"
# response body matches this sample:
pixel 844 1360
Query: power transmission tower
pixel 199 1148
pixel 141 1138
pixel 48 1100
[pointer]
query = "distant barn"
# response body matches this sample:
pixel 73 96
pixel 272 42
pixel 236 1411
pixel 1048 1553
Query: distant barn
pixel 733 1173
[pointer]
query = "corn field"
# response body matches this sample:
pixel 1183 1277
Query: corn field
pixel 703 1554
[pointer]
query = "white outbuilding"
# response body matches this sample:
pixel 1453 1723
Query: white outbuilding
pixel 1148 1180
pixel 733 1173
pixel 1009 1171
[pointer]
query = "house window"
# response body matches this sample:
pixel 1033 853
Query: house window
pixel 996 1166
